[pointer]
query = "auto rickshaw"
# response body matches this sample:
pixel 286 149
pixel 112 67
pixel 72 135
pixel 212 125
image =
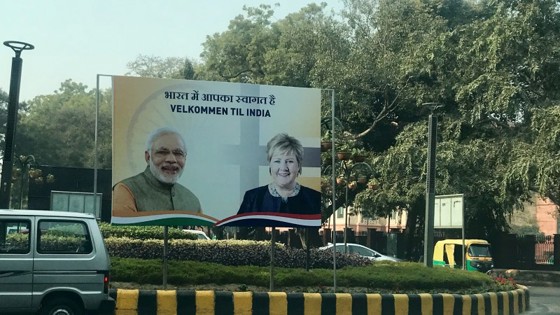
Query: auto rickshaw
pixel 449 253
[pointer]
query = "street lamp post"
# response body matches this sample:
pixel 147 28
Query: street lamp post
pixel 430 187
pixel 13 101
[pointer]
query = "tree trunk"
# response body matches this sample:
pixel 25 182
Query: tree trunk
pixel 414 231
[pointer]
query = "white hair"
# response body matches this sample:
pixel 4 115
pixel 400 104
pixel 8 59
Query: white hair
pixel 154 135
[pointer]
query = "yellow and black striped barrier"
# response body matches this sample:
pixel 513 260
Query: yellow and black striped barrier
pixel 168 302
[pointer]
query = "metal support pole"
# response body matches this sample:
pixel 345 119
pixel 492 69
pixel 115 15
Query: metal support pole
pixel 165 267
pixel 333 178
pixel 272 249
pixel 430 194
pixel 346 212
pixel 307 250
pixel 99 214
pixel 7 160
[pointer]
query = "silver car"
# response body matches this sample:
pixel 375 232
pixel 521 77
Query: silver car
pixel 53 263
pixel 357 249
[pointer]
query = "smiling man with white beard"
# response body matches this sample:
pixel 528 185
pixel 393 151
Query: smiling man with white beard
pixel 156 188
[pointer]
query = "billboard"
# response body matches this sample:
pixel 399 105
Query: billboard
pixel 76 201
pixel 448 211
pixel 203 153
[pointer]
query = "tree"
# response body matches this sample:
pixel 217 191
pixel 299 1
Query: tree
pixel 238 55
pixel 286 52
pixel 163 68
pixel 4 101
pixel 59 129
pixel 536 162
pixel 25 172
pixel 486 62
pixel 491 69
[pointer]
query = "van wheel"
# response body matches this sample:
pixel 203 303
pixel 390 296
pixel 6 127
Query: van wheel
pixel 61 306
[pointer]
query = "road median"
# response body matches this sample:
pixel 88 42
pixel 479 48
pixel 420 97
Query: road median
pixel 164 302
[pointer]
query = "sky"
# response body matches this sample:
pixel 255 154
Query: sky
pixel 80 39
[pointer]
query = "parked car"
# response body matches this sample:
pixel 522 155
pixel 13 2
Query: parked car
pixel 361 250
pixel 54 263
pixel 199 234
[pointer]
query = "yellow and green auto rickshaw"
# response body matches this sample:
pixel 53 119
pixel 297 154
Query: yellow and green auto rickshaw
pixel 449 253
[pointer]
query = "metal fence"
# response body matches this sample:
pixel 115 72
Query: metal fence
pixel 544 249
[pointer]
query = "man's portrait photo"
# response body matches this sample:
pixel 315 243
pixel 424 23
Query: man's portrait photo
pixel 156 187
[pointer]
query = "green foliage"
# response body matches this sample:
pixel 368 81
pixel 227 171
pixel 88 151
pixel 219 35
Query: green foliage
pixel 378 277
pixel 247 263
pixel 60 242
pixel 59 129
pixel 503 282
pixel 157 67
pixel 142 232
pixel 491 65
pixel 227 252
pixel 4 100
pixel 18 240
pixel 287 52
pixel 525 229
pixel 238 55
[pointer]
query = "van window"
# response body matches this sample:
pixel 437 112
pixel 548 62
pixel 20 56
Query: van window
pixel 63 237
pixel 14 236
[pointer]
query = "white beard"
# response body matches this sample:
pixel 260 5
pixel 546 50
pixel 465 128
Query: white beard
pixel 163 177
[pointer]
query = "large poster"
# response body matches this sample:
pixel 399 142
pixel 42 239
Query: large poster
pixel 203 153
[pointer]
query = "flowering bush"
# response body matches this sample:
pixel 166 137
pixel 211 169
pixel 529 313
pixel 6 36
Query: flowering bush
pixel 503 283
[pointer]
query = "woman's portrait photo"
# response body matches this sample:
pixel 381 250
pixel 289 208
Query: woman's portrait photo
pixel 283 194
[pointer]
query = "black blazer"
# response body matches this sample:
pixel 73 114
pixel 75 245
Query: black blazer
pixel 307 201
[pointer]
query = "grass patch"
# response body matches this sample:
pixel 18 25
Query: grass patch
pixel 383 277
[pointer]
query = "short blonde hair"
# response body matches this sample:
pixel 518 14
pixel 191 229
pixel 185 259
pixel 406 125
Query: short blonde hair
pixel 284 143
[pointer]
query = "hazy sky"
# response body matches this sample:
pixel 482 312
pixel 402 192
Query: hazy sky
pixel 79 39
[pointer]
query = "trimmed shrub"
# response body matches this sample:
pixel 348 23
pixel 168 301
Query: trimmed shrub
pixel 143 232
pixel 384 277
pixel 229 253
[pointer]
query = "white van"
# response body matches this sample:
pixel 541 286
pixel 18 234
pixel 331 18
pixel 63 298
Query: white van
pixel 53 263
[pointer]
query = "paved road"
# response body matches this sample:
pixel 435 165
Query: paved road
pixel 544 300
